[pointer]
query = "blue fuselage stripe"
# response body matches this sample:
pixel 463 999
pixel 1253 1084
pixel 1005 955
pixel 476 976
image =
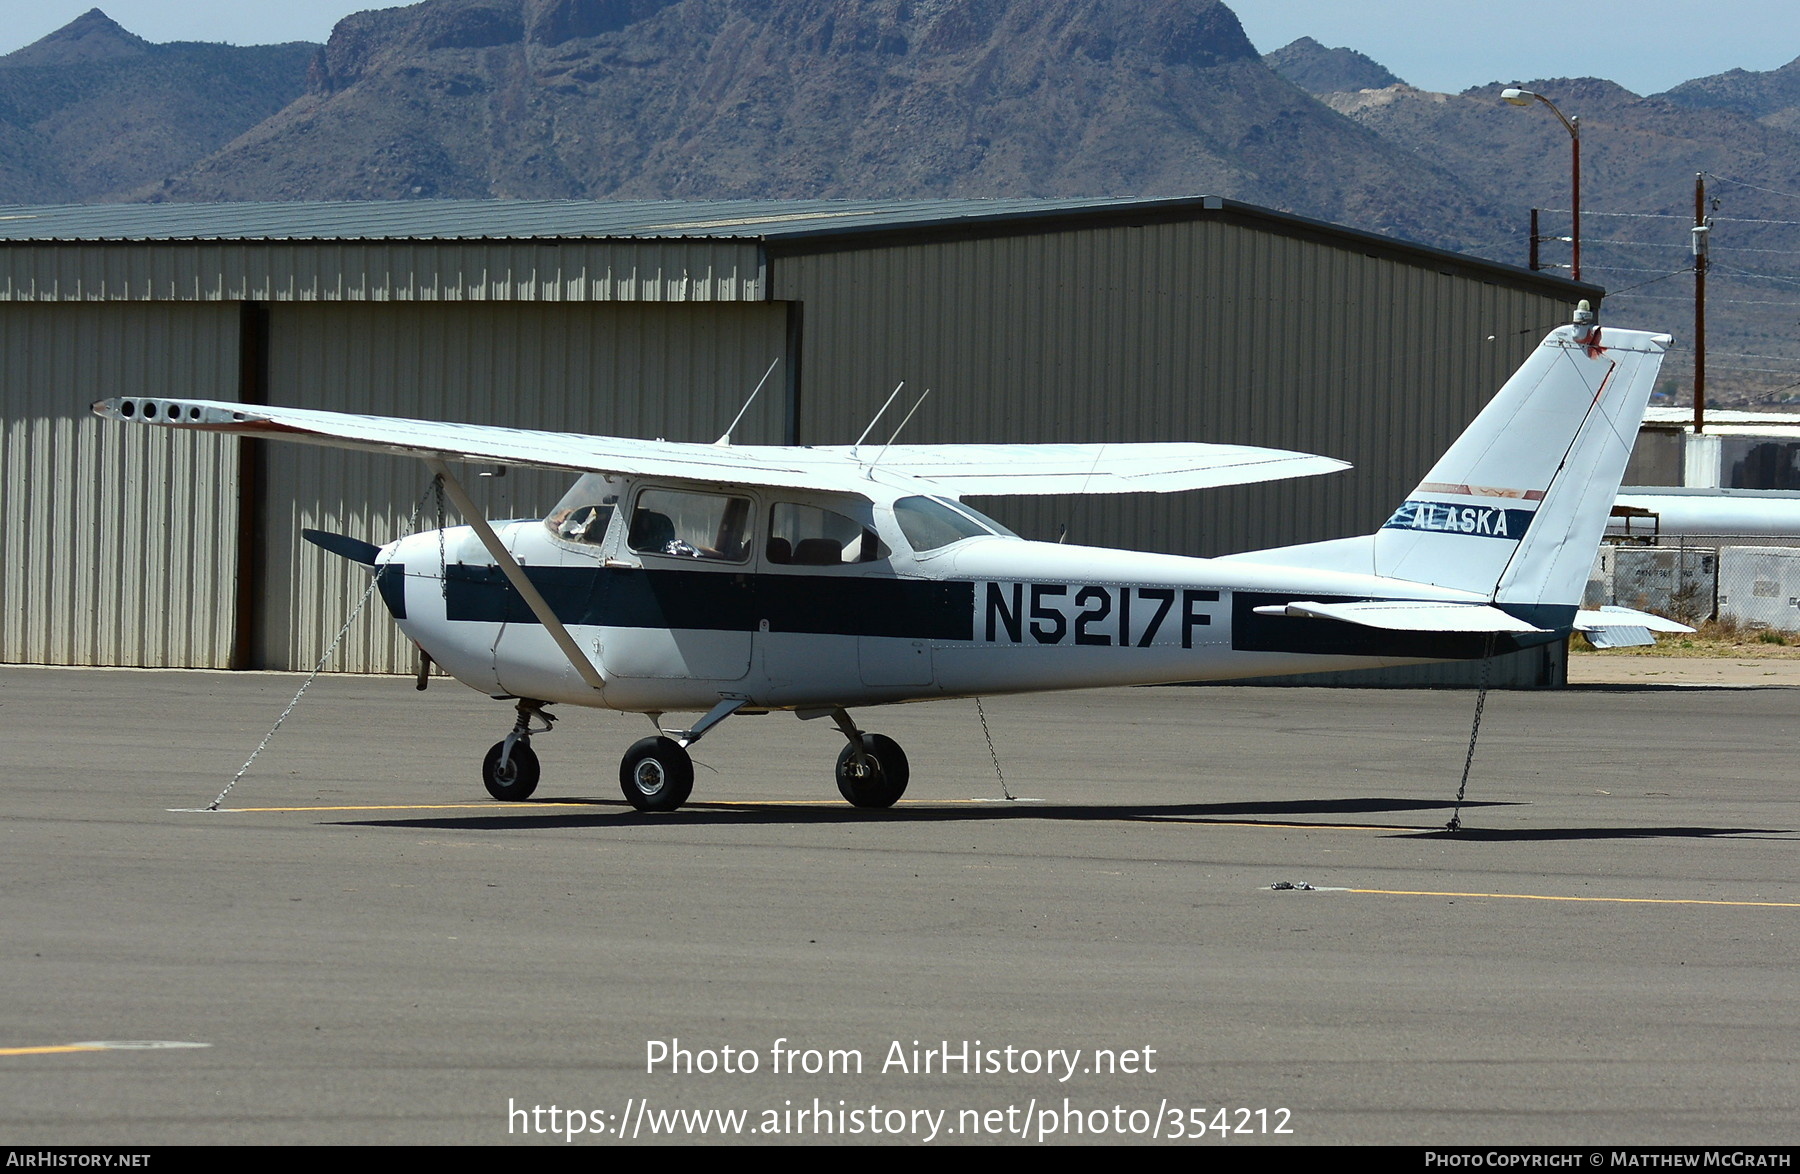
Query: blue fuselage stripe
pixel 725 601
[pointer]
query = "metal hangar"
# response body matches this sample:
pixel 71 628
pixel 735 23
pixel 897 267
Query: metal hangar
pixel 1029 320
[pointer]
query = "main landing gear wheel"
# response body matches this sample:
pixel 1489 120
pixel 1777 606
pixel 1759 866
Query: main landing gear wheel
pixel 879 779
pixel 656 774
pixel 517 779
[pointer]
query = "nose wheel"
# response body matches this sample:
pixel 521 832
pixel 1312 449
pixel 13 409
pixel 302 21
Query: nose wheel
pixel 510 777
pixel 510 770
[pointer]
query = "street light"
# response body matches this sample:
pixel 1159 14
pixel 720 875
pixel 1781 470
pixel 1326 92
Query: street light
pixel 1525 98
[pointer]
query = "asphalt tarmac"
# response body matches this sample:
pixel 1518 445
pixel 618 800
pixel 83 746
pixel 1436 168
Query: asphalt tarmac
pixel 364 948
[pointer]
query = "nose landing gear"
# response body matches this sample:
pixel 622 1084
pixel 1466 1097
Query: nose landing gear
pixel 510 770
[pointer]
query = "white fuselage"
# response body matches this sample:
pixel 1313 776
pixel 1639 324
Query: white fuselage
pixel 979 615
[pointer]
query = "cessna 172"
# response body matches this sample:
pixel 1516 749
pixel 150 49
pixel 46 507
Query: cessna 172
pixel 726 579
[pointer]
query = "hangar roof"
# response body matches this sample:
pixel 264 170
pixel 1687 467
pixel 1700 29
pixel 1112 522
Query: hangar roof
pixel 772 228
pixel 522 219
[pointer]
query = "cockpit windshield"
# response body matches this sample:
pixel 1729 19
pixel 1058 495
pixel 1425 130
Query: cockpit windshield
pixel 933 522
pixel 586 510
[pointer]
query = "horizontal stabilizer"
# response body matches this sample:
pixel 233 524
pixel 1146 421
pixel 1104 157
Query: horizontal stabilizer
pixel 1625 617
pixel 1618 636
pixel 342 545
pixel 1407 615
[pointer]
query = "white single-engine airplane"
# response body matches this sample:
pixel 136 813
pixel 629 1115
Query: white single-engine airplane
pixel 722 579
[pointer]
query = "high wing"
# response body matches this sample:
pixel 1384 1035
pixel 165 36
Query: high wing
pixel 950 469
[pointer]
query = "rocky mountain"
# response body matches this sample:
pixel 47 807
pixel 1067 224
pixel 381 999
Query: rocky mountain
pixel 918 98
pixel 1319 70
pixel 92 109
pixel 1772 97
pixel 754 98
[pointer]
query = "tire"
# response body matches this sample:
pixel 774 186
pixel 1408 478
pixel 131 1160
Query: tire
pixel 886 780
pixel 656 775
pixel 520 778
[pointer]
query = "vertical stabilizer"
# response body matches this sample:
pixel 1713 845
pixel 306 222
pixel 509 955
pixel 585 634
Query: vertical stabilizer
pixel 1516 507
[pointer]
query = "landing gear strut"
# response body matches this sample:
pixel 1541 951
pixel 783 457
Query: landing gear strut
pixel 510 770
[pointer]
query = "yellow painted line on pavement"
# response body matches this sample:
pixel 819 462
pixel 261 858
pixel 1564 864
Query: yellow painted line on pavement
pixel 410 807
pixel 618 803
pixel 1270 823
pixel 1606 900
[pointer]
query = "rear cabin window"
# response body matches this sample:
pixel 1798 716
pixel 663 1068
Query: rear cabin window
pixel 807 536
pixel 691 525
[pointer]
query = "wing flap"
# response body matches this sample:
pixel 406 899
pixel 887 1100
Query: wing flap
pixel 1002 469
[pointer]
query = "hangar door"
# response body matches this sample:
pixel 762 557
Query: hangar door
pixel 673 370
pixel 118 546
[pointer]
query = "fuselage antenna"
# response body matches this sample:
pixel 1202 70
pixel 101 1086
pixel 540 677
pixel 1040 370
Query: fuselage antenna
pixel 877 419
pixel 870 471
pixel 725 440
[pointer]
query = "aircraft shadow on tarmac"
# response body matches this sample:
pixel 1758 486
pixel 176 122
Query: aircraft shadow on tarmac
pixel 1671 687
pixel 1359 813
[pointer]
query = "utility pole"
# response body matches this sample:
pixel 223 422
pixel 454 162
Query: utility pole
pixel 1702 230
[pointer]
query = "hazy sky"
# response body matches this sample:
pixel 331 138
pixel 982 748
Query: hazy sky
pixel 1645 45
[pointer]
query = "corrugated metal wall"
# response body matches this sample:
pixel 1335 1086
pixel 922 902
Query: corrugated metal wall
pixel 119 544
pixel 378 271
pixel 674 371
pixel 1204 330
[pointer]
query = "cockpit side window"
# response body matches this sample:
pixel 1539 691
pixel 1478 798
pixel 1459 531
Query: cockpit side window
pixel 932 522
pixel 807 536
pixel 691 525
pixel 585 512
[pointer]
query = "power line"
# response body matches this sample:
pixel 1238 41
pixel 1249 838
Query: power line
pixel 1717 248
pixel 1759 370
pixel 1752 186
pixel 1677 216
pixel 1715 301
pixel 1631 269
pixel 1750 274
pixel 1752 355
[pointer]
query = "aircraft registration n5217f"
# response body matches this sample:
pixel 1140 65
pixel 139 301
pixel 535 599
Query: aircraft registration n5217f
pixel 722 579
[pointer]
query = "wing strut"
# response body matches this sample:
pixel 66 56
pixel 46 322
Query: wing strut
pixel 516 576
